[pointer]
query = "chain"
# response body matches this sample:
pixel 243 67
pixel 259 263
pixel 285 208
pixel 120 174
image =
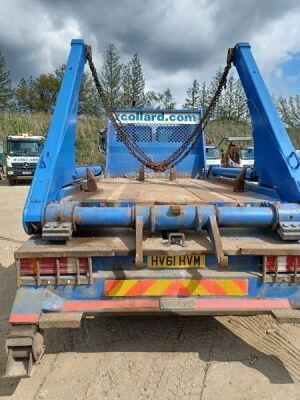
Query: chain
pixel 189 143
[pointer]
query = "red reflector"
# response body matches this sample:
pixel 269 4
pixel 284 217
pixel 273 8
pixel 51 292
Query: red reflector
pixel 48 265
pixel 284 263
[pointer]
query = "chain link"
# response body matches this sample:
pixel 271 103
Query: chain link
pixel 188 144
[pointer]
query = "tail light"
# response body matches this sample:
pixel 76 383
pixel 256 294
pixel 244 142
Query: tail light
pixel 281 268
pixel 287 264
pixel 59 267
pixel 49 266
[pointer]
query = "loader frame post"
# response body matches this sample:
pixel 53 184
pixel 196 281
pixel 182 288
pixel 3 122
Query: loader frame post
pixel 276 162
pixel 57 166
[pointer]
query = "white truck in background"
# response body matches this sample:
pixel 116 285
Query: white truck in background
pixel 23 153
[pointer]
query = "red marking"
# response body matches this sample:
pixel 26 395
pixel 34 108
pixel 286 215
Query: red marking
pixel 212 287
pixel 28 266
pixel 99 305
pixel 270 263
pixel 242 284
pixel 140 287
pixel 110 285
pixel 242 304
pixel 23 318
pixel 174 289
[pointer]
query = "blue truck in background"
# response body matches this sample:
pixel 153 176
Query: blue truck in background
pixel 127 240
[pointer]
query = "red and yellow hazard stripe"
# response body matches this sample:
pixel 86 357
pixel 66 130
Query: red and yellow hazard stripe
pixel 175 287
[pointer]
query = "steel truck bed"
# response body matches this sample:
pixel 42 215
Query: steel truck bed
pixel 164 191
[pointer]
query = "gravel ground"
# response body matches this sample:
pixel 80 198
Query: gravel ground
pixel 137 358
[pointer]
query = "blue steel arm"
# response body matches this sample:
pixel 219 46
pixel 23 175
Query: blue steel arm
pixel 57 166
pixel 276 162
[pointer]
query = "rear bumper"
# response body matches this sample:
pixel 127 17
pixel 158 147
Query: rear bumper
pixel 98 298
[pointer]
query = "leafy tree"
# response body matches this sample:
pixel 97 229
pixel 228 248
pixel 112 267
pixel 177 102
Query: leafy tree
pixel 167 101
pixel 212 87
pixel 40 94
pixel 6 91
pixel 133 84
pixel 160 100
pixel 152 100
pixel 126 100
pixel 111 75
pixel 289 109
pixel 193 96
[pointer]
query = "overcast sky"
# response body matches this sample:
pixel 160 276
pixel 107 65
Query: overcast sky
pixel 177 40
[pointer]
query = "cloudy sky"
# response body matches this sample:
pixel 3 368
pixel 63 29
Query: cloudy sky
pixel 177 40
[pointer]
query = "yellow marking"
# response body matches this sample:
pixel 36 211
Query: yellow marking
pixel 194 287
pixel 178 261
pixel 230 287
pixel 158 287
pixel 122 287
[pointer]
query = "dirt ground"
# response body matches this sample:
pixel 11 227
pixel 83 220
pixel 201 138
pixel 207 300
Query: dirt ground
pixel 138 358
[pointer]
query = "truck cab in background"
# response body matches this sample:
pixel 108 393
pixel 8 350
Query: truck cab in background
pixel 212 155
pixel 23 153
pixel 238 154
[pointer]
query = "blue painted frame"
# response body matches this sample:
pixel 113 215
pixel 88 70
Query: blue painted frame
pixel 276 163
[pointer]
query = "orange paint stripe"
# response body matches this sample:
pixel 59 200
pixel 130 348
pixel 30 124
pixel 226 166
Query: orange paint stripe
pixel 212 287
pixel 172 290
pixel 23 318
pixel 242 284
pixel 140 287
pixel 110 285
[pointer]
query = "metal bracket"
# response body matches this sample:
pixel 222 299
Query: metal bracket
pixel 141 176
pixel 214 234
pixel 91 182
pixel 239 182
pixel 289 230
pixel 139 253
pixel 60 231
pixel 172 174
pixel 176 238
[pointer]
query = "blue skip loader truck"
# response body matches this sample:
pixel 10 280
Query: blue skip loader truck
pixel 127 240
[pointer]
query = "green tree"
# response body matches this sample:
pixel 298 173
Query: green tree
pixel 111 75
pixel 203 97
pixel 133 84
pixel 126 100
pixel 6 91
pixel 193 96
pixel 289 109
pixel 40 94
pixel 137 81
pixel 158 101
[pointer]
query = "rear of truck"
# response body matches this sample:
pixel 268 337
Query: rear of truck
pixel 131 241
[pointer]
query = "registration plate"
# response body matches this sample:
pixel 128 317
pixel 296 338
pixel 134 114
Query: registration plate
pixel 26 173
pixel 177 261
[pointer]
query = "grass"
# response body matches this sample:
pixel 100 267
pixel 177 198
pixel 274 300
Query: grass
pixel 38 124
pixel 88 132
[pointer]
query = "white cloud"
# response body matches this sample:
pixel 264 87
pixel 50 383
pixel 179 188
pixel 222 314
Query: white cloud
pixel 177 40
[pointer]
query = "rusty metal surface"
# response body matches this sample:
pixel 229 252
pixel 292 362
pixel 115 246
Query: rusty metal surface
pixel 112 242
pixel 163 191
pixel 60 320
